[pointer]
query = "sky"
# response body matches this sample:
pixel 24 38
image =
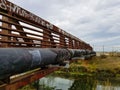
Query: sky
pixel 96 22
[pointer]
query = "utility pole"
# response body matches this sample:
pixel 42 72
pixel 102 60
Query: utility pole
pixel 103 49
pixel 112 51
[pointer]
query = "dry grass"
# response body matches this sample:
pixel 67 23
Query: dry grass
pixel 105 63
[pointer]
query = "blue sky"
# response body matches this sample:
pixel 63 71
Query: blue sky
pixel 94 21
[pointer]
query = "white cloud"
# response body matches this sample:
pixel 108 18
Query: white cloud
pixel 105 39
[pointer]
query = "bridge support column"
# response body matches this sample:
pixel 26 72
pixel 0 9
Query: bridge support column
pixel 48 40
pixel 4 31
pixel 62 41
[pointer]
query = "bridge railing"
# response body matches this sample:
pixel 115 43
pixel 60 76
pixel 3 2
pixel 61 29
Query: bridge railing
pixel 21 28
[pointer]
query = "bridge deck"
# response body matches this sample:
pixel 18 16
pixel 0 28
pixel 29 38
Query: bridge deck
pixel 22 80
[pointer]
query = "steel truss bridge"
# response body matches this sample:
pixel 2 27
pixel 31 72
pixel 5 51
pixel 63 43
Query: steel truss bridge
pixel 21 29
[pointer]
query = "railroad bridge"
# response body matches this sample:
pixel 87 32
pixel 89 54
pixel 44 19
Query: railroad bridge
pixel 21 29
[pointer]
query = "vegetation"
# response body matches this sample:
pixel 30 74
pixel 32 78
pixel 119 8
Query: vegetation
pixel 100 66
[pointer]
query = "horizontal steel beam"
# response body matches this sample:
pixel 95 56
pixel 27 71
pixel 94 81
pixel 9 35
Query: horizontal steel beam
pixel 20 12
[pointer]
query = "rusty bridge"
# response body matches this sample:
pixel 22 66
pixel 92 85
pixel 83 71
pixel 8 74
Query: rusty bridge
pixel 21 29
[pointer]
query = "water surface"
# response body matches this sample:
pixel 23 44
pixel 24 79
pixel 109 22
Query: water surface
pixel 83 83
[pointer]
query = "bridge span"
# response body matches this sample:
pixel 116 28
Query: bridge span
pixel 24 37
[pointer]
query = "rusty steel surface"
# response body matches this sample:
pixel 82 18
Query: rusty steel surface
pixel 23 80
pixel 21 28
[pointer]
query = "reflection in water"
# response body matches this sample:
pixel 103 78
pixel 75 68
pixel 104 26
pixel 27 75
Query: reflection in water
pixel 88 83
pixel 57 83
pixel 84 83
